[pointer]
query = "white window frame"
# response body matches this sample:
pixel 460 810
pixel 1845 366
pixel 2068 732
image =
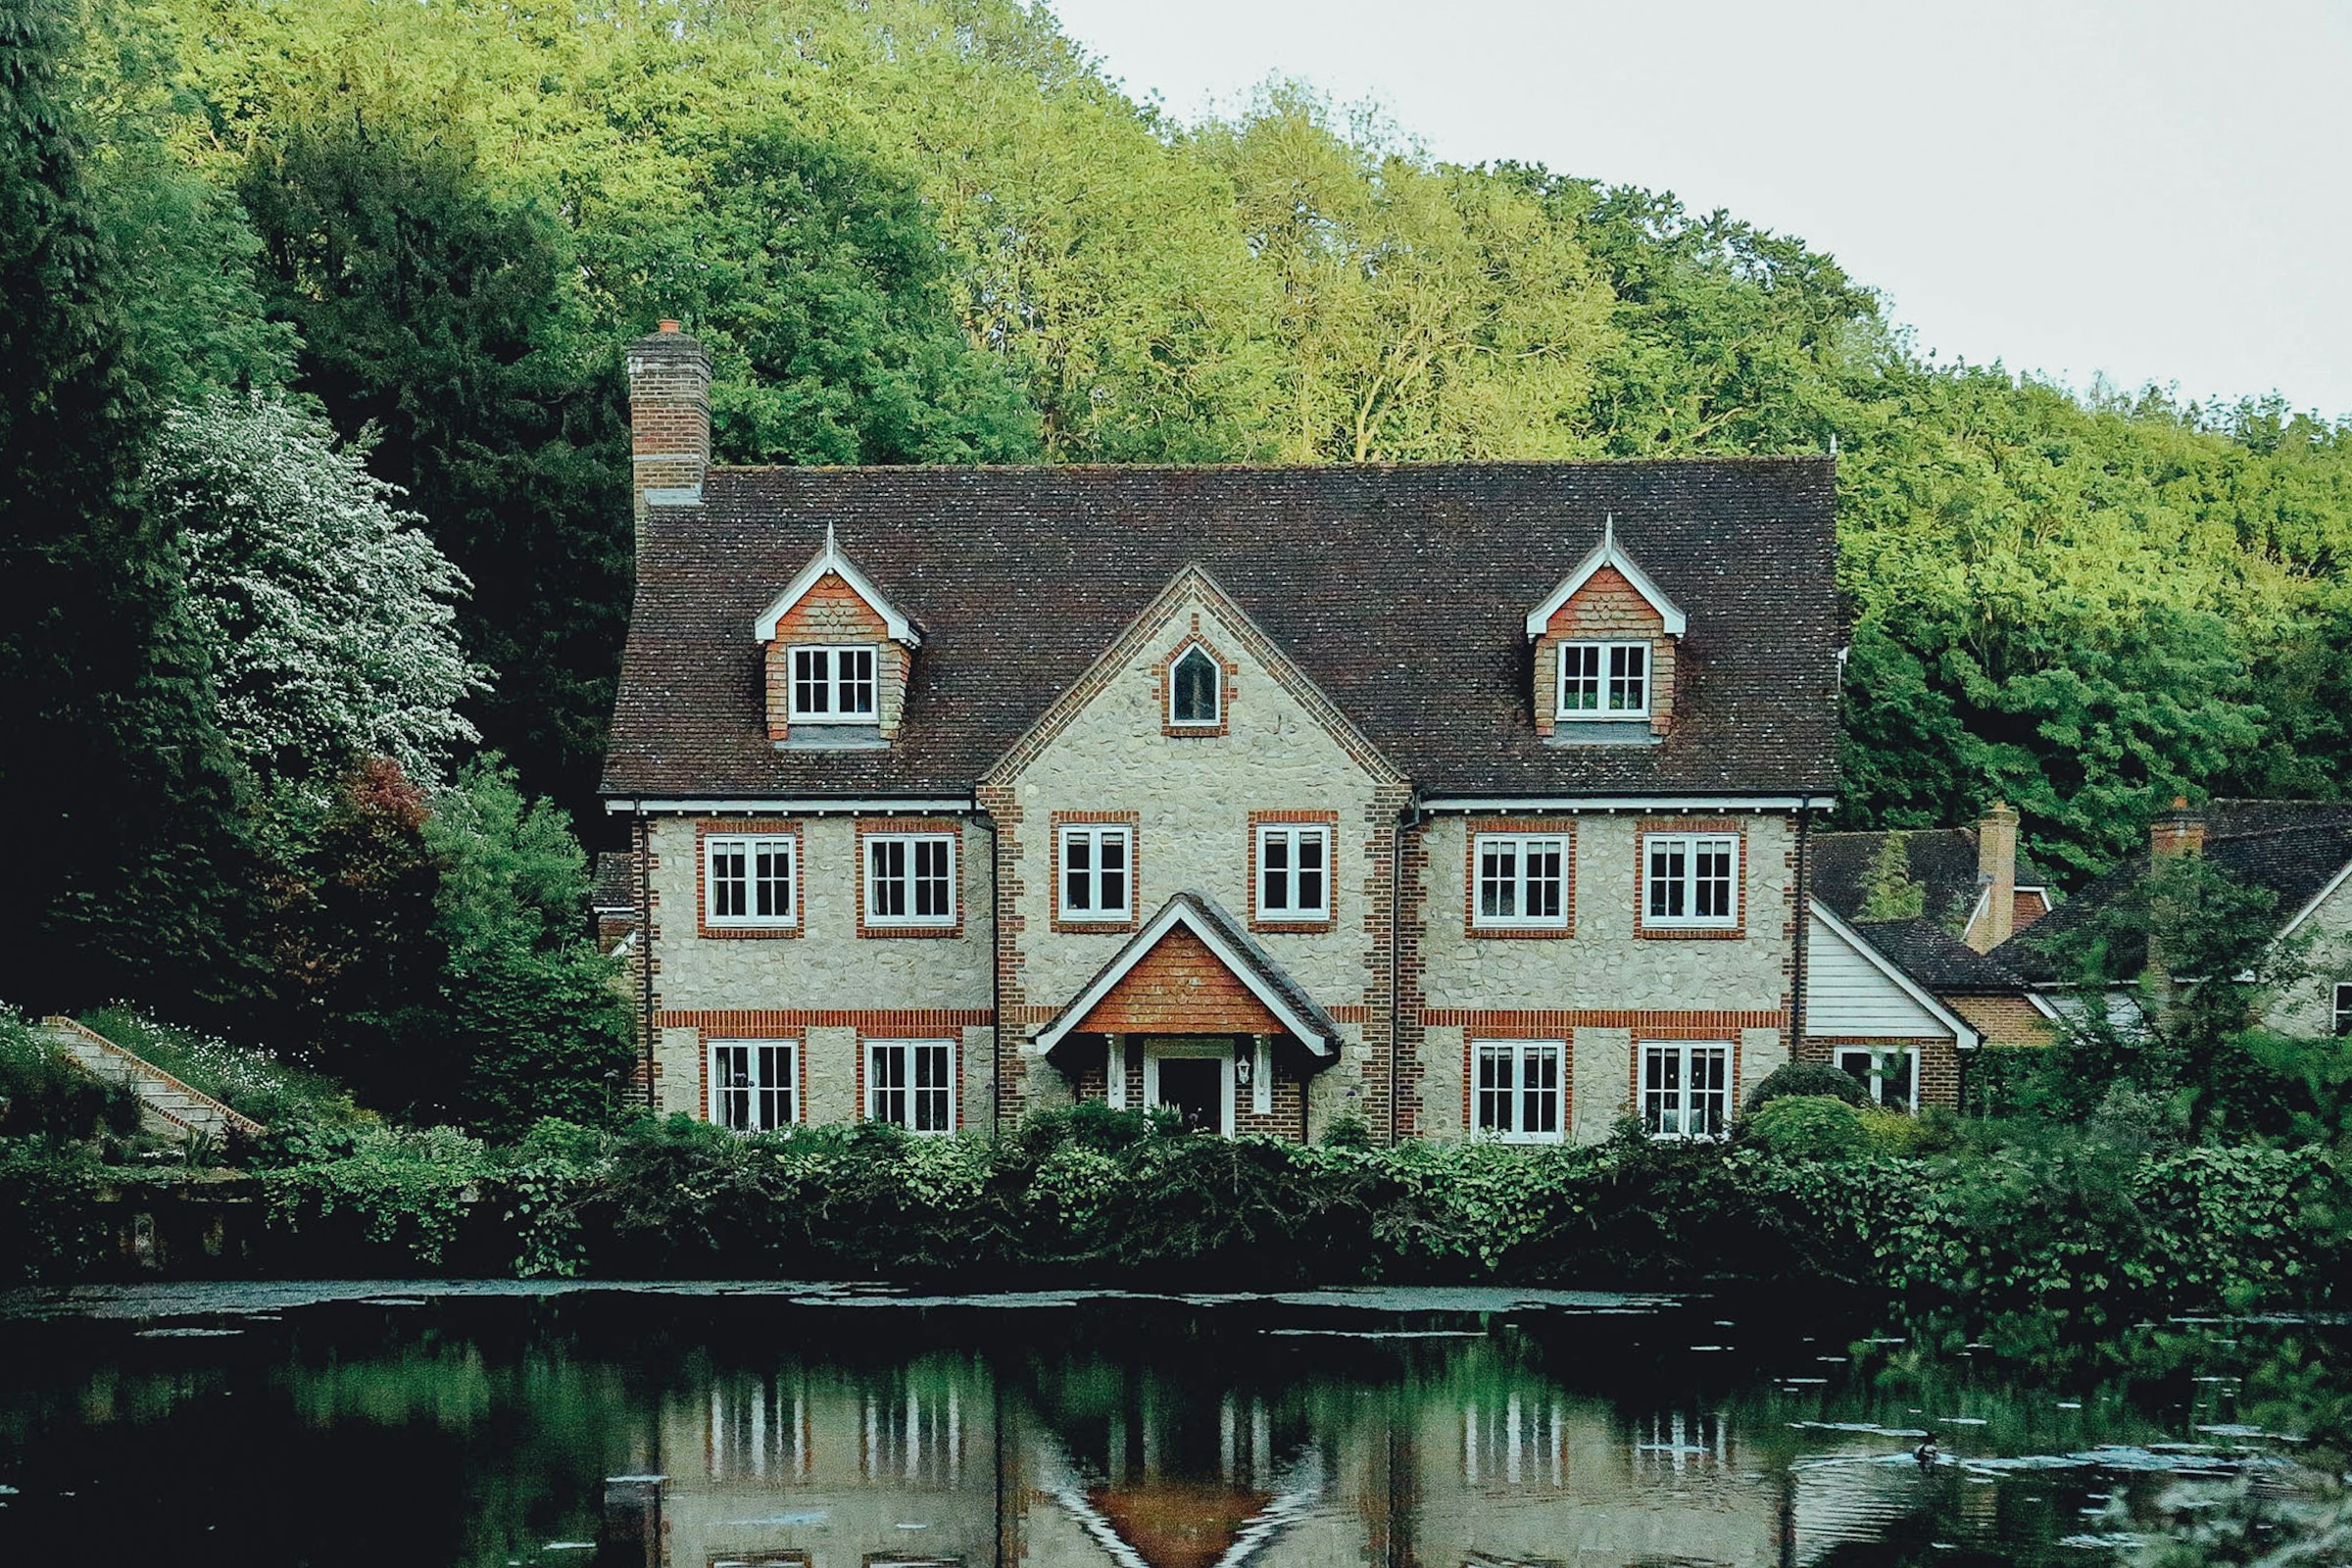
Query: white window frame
pixel 1291 835
pixel 1686 1054
pixel 758 1053
pixel 752 846
pixel 835 683
pixel 1518 845
pixel 1612 675
pixel 1876 1081
pixel 908 1113
pixel 1219 1051
pixel 2343 1007
pixel 1093 833
pixel 1687 882
pixel 911 846
pixel 1216 689
pixel 1516 1097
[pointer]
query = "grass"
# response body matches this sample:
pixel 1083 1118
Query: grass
pixel 244 1078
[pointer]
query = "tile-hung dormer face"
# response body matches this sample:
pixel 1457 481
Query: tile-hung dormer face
pixel 1605 645
pixel 837 658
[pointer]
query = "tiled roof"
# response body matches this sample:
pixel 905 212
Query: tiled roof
pixel 2294 848
pixel 1939 960
pixel 614 887
pixel 1941 861
pixel 1402 592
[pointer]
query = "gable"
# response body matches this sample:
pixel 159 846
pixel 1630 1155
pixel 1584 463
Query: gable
pixel 1854 992
pixel 1180 987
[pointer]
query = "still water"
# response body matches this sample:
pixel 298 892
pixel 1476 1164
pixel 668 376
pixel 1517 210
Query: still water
pixel 824 1429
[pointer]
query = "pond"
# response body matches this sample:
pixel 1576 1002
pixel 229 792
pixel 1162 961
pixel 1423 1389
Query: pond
pixel 831 1428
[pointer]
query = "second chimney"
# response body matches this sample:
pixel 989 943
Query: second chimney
pixel 1996 873
pixel 669 418
pixel 2178 831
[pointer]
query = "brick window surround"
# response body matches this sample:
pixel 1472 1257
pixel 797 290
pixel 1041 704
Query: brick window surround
pixel 752 827
pixel 1132 821
pixel 1228 686
pixel 902 826
pixel 1672 827
pixel 1329 821
pixel 1560 827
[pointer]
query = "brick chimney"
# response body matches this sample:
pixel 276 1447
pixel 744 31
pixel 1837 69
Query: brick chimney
pixel 2180 831
pixel 669 418
pixel 1996 873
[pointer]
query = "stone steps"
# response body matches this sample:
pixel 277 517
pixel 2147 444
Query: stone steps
pixel 166 1105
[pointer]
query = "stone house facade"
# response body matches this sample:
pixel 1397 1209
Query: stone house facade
pixel 1454 800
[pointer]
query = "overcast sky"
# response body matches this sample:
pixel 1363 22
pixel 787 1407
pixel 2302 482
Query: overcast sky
pixel 2156 190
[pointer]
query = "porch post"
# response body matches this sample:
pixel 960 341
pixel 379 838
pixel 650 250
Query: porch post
pixel 1261 1074
pixel 1114 1057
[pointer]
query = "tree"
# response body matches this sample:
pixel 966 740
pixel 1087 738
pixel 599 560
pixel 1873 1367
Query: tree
pixel 127 874
pixel 1888 890
pixel 330 620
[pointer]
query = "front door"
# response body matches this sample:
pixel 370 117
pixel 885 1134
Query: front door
pixel 1194 1087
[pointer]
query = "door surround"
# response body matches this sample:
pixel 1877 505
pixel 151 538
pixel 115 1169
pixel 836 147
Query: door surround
pixel 1201 1048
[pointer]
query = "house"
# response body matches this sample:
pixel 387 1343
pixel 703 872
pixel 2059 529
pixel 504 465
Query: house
pixel 1450 799
pixel 1908 969
pixel 2299 851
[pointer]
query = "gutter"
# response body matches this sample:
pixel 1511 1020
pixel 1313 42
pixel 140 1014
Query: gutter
pixel 1632 803
pixel 795 806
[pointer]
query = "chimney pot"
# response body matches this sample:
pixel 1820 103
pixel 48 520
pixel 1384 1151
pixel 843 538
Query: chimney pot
pixel 2180 831
pixel 668 325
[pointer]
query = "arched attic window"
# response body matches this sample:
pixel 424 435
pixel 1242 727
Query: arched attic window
pixel 1194 695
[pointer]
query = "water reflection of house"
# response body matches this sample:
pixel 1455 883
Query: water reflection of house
pixel 927 1466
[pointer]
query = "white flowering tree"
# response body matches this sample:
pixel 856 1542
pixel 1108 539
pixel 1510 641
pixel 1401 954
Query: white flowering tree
pixel 330 620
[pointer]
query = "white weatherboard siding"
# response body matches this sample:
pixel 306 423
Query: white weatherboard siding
pixel 1850 998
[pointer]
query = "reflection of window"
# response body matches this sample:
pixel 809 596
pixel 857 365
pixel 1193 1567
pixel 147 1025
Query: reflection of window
pixel 1517 1440
pixel 1193 695
pixel 1692 879
pixel 883 1560
pixel 758 1431
pixel 753 1084
pixel 1686 1090
pixel 912 1083
pixel 1604 680
pixel 1294 872
pixel 1887 1073
pixel 1681 1438
pixel 794 1558
pixel 2343 1007
pixel 912 1435
pixel 832 685
pixel 1093 872
pixel 1519 1096
pixel 1522 881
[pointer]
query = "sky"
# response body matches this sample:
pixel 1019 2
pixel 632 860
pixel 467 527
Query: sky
pixel 2152 192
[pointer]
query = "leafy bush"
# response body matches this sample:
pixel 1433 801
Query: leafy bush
pixel 45 1093
pixel 1810 1127
pixel 241 1077
pixel 1807 1078
pixel 48 1224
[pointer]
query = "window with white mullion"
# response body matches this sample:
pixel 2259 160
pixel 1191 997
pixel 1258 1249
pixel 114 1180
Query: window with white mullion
pixel 2343 1007
pixel 1888 1074
pixel 1294 872
pixel 753 1084
pixel 1518 1094
pixel 1686 1089
pixel 911 1084
pixel 748 880
pixel 911 879
pixel 1691 879
pixel 833 685
pixel 1522 881
pixel 1097 881
pixel 1604 680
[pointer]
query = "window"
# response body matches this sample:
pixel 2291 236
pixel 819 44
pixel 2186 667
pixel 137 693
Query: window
pixel 753 1084
pixel 2344 1008
pixel 1522 882
pixel 912 1083
pixel 1094 863
pixel 1693 879
pixel 833 685
pixel 1686 1090
pixel 1604 680
pixel 1518 1094
pixel 748 880
pixel 1294 872
pixel 1887 1073
pixel 1194 697
pixel 911 879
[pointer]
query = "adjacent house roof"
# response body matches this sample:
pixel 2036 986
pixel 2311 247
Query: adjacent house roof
pixel 614 889
pixel 1939 960
pixel 1402 592
pixel 1943 861
pixel 1881 946
pixel 2296 849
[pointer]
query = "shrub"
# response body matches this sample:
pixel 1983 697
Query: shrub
pixel 45 1093
pixel 1810 1127
pixel 1814 1078
pixel 244 1078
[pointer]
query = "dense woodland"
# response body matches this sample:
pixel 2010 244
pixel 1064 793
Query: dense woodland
pixel 313 538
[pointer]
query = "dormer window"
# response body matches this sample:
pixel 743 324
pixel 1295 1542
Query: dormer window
pixel 1604 680
pixel 1193 689
pixel 833 685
